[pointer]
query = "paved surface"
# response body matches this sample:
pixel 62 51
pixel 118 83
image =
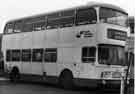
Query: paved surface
pixel 3 79
pixel 36 88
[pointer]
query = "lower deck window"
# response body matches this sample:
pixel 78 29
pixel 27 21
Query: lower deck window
pixel 16 55
pixel 88 54
pixel 8 55
pixel 26 55
pixel 37 55
pixel 50 55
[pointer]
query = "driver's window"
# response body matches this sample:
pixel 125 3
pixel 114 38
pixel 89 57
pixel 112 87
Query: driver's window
pixel 103 55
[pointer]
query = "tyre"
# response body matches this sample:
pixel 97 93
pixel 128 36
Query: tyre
pixel 66 80
pixel 14 75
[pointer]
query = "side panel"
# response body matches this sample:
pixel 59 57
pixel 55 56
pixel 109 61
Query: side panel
pixel 70 61
pixel 71 48
pixel 26 43
pixel 38 42
pixel 13 42
pixel 51 41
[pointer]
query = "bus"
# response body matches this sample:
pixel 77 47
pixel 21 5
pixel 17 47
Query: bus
pixel 81 46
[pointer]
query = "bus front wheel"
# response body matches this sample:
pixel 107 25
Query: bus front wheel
pixel 66 80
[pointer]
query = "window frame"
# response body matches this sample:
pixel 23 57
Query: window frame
pixel 100 56
pixel 29 52
pixel 8 55
pixel 16 58
pixel 6 30
pixel 39 24
pixel 50 52
pixel 34 54
pixel 106 19
pixel 77 22
pixel 57 20
pixel 88 58
pixel 19 25
pixel 113 55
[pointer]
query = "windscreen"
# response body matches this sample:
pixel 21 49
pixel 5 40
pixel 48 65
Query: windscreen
pixel 107 15
pixel 111 55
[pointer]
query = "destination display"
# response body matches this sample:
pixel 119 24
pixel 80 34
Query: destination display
pixel 116 34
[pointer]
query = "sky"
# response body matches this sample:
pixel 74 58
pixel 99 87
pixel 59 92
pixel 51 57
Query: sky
pixel 12 9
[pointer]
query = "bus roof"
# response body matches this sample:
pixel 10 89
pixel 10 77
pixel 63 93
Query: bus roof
pixel 106 5
pixel 89 4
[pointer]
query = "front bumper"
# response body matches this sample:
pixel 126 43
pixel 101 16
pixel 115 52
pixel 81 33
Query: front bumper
pixel 97 82
pixel 111 82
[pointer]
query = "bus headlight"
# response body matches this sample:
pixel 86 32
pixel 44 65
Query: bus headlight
pixel 110 74
pixel 106 74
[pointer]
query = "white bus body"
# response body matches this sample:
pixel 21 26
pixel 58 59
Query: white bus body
pixel 73 50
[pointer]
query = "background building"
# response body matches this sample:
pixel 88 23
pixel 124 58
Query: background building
pixel 1 55
pixel 130 49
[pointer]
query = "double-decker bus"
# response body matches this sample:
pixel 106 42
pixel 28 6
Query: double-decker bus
pixel 83 45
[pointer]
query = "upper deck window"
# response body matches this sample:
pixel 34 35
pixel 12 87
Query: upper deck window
pixel 9 28
pixel 38 26
pixel 67 18
pixel 18 26
pixel 61 19
pixel 107 15
pixel 86 16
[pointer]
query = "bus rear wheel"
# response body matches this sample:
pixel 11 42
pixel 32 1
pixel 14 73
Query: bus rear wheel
pixel 14 75
pixel 66 80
